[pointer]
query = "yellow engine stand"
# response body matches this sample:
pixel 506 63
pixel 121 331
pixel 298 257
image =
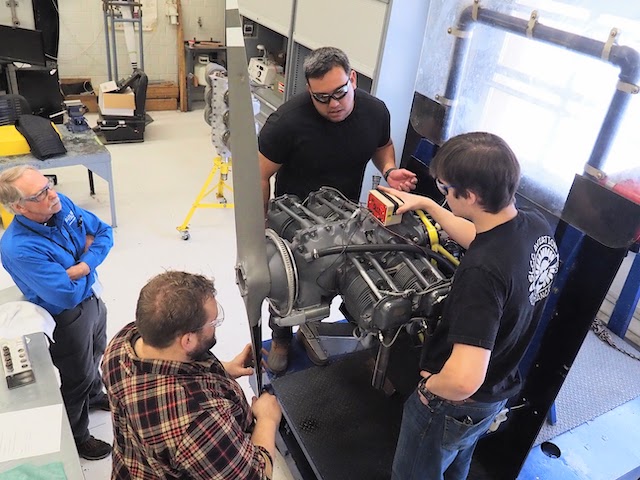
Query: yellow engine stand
pixel 223 167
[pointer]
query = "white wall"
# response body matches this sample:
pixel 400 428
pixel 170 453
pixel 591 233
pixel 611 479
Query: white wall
pixel 82 51
pixel 24 13
pixel 394 82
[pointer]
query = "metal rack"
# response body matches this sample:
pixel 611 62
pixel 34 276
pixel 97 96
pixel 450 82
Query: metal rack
pixel 112 17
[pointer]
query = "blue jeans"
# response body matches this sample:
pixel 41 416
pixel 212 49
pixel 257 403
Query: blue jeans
pixel 435 442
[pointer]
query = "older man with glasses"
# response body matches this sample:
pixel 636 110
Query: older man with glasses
pixel 51 250
pixel 325 137
pixel 177 410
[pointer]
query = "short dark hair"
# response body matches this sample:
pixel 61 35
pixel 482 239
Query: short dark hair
pixel 482 163
pixel 323 59
pixel 172 304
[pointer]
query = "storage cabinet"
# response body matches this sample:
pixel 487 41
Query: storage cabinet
pixel 355 26
pixel 296 27
pixel 274 14
pixel 276 45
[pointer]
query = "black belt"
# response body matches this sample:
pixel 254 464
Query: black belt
pixel 89 298
pixel 461 402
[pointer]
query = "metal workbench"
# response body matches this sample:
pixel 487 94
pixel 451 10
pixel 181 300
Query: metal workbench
pixel 44 392
pixel 83 148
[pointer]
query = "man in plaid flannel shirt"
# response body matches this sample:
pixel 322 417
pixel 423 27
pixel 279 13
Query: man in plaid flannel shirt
pixel 177 410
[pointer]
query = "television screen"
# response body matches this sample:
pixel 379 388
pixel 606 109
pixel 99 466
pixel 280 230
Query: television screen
pixel 21 45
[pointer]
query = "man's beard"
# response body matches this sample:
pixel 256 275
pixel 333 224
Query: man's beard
pixel 203 352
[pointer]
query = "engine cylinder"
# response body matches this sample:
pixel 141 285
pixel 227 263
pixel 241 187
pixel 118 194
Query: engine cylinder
pixel 358 297
pixel 327 246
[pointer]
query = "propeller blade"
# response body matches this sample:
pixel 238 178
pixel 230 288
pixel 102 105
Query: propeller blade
pixel 252 272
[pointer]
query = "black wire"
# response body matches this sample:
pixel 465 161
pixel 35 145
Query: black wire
pixel 342 249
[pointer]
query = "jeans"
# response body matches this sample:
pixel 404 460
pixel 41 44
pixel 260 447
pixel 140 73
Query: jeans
pixel 437 441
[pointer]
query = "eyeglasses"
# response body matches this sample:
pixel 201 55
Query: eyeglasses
pixel 338 94
pixel 216 322
pixel 41 195
pixel 444 188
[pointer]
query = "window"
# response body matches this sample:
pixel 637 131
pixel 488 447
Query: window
pixel 547 101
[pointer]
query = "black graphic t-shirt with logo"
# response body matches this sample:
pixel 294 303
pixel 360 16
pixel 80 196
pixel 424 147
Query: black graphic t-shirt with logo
pixel 496 300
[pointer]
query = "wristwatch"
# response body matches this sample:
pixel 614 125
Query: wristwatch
pixel 388 171
pixel 422 388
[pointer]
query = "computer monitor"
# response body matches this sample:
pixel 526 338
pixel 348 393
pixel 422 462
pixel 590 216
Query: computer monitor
pixel 41 88
pixel 21 45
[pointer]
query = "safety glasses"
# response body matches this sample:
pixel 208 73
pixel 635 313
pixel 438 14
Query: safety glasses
pixel 443 187
pixel 41 195
pixel 216 322
pixel 338 94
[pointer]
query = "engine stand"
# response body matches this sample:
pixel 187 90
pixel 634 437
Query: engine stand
pixel 335 424
pixel 223 167
pixel 309 336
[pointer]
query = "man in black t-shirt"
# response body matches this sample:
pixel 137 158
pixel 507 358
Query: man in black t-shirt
pixel 325 137
pixel 469 366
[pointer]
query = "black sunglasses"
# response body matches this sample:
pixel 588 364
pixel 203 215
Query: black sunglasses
pixel 338 94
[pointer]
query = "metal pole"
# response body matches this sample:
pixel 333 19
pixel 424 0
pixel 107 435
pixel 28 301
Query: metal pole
pixel 627 301
pixel 141 49
pixel 288 80
pixel 382 362
pixel 609 129
pixel 105 10
pixel 115 46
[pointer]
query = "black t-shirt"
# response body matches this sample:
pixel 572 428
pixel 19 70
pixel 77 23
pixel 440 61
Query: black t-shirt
pixel 316 152
pixel 497 297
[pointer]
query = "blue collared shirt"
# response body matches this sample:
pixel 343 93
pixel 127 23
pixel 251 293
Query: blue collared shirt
pixel 37 256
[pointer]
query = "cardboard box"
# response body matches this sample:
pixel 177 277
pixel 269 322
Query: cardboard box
pixel 384 206
pixel 113 103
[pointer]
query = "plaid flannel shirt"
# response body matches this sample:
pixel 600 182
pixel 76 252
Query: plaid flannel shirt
pixel 175 420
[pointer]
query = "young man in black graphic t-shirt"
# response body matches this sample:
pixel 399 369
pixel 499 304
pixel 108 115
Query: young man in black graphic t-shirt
pixel 469 366
pixel 325 137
